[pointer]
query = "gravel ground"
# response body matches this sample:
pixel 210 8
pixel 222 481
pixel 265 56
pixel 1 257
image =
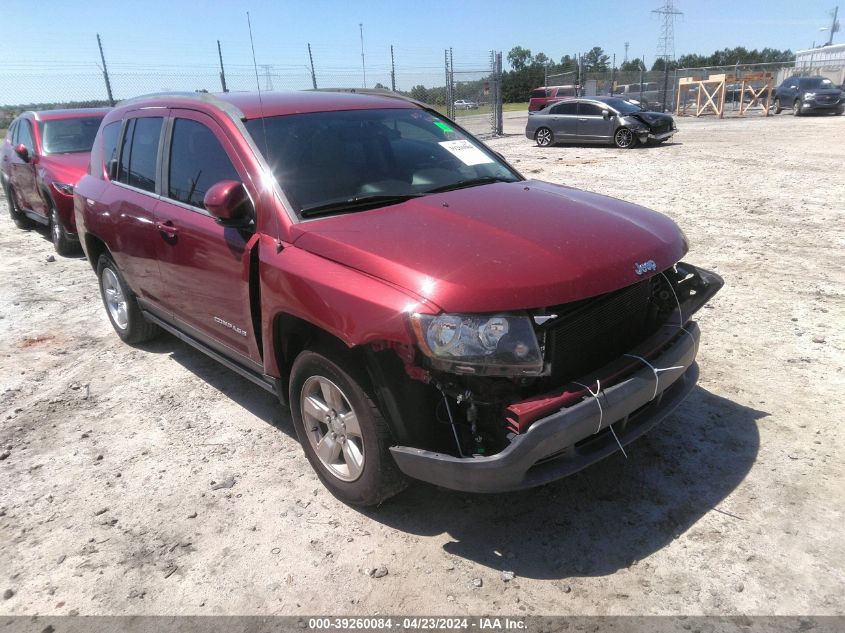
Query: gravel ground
pixel 113 457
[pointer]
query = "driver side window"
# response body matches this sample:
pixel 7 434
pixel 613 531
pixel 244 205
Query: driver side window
pixel 197 162
pixel 25 134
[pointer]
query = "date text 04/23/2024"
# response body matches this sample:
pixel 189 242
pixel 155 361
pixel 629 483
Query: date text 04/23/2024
pixel 416 623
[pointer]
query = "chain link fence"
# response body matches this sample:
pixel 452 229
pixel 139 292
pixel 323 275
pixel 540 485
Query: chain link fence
pixel 469 90
pixel 659 90
pixel 474 94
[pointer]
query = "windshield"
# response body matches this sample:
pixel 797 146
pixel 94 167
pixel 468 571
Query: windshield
pixel 69 136
pixel 815 82
pixel 321 158
pixel 622 106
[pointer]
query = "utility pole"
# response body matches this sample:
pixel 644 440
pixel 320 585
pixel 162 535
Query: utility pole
pixel 222 72
pixel 313 75
pixel 613 75
pixel 363 65
pixel 392 71
pixel 452 82
pixel 834 26
pixel 627 44
pixel 666 42
pixel 105 71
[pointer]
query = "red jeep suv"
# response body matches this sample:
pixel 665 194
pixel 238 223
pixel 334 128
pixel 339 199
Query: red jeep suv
pixel 44 155
pixel 425 311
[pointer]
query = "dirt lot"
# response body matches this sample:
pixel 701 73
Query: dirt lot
pixel 734 505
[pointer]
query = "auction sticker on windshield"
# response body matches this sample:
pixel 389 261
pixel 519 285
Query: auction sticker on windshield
pixel 466 152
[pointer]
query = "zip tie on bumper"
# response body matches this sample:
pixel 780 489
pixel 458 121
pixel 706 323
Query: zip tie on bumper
pixel 677 301
pixel 655 370
pixel 618 443
pixel 595 395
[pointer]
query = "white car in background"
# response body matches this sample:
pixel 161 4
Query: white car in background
pixel 462 104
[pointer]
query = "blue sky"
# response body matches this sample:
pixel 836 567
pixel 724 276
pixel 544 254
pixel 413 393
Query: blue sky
pixel 176 38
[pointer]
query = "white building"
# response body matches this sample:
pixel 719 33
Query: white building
pixel 827 61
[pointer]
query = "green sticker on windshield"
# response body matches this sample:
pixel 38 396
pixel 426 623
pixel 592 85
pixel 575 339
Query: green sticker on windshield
pixel 443 126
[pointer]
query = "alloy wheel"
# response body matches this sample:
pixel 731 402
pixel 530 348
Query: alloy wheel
pixel 332 428
pixel 115 299
pixel 624 138
pixel 544 137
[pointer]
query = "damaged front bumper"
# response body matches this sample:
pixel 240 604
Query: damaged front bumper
pixel 574 437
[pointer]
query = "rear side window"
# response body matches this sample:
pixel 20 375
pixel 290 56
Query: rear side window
pixel 110 135
pixel 197 161
pixel 538 94
pixel 565 108
pixel 139 155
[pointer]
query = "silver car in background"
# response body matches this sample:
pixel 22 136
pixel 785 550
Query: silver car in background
pixel 608 120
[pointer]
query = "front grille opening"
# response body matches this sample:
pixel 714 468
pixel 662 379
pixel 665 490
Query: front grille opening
pixel 588 334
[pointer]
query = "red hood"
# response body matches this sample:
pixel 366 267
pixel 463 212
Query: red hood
pixel 65 168
pixel 506 246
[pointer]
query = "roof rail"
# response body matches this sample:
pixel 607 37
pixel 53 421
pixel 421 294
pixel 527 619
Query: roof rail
pixel 207 97
pixel 381 92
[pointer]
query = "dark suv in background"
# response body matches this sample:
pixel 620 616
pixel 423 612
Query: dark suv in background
pixel 809 94
pixel 43 157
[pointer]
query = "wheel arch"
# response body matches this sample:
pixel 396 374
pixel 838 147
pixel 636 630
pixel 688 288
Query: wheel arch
pixel 94 247
pixel 379 369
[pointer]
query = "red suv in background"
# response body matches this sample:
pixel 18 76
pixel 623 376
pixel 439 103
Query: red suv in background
pixel 544 95
pixel 424 310
pixel 44 155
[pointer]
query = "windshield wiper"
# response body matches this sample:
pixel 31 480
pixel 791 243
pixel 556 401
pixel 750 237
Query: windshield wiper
pixel 355 203
pixel 472 182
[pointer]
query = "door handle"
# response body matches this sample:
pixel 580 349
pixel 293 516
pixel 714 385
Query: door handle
pixel 167 227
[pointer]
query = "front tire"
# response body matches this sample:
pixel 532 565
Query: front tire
pixel 624 138
pixel 777 107
pixel 61 242
pixel 342 432
pixel 544 137
pixel 122 306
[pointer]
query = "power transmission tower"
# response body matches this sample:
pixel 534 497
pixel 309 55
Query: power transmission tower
pixel 666 42
pixel 268 77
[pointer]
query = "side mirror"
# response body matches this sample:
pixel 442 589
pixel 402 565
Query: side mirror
pixel 22 151
pixel 227 201
pixel 605 114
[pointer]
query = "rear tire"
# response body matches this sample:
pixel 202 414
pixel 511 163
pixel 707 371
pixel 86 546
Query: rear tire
pixel 61 242
pixel 343 434
pixel 18 216
pixel 544 137
pixel 122 306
